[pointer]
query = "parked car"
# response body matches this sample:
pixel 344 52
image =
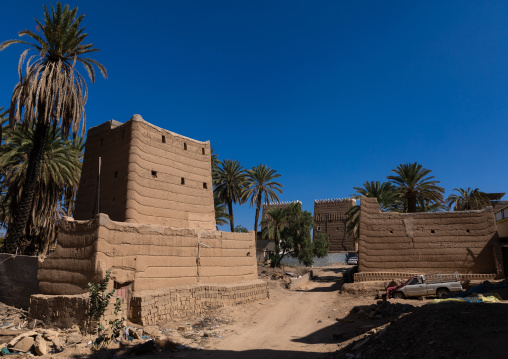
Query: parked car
pixel 440 285
pixel 353 260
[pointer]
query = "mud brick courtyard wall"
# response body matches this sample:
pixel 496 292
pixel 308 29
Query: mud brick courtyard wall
pixel 148 175
pixel 145 257
pixel 330 219
pixel 464 242
pixel 18 279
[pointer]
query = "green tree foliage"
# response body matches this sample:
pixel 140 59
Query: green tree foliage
pixel 241 229
pixel 386 195
pixel 260 182
pixel 56 184
pixel 291 227
pixel 230 186
pixel 221 215
pixel 468 199
pixel 51 91
pixel 414 185
pixel 97 304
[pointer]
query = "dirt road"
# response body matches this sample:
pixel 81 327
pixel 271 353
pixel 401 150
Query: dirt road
pixel 291 324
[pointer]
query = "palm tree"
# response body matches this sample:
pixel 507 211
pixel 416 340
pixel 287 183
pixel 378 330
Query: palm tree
pixel 414 184
pixel 260 182
pixel 52 91
pixel 221 216
pixel 60 170
pixel 386 197
pixel 273 224
pixel 468 199
pixel 230 185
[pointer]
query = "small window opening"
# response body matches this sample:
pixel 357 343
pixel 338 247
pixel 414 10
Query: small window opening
pixel 318 228
pixel 116 174
pixel 337 228
pixel 154 174
pixel 163 139
pixel 182 180
pixel 467 230
pixel 391 231
pixel 123 133
pixel 203 151
pixel 102 141
pixel 204 185
pixel 185 146
pixel 432 231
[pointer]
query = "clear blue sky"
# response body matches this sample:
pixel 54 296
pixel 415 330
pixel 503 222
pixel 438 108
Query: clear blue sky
pixel 329 93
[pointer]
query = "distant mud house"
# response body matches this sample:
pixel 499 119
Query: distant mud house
pixel 330 219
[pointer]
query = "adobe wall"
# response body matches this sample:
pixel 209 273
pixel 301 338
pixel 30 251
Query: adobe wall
pixel 148 257
pixel 427 242
pixel 148 175
pixel 330 219
pixel 18 279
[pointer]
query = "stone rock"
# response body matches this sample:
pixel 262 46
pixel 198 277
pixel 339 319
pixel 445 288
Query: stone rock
pixel 181 329
pixel 74 338
pixel 58 344
pixel 139 334
pixel 151 330
pixel 19 337
pixel 24 344
pixel 40 346
pixel 161 341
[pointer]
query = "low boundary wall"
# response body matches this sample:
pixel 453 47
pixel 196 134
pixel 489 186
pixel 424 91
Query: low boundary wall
pixel 18 279
pixel 64 311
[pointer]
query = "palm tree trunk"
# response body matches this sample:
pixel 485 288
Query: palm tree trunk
pixel 231 221
pixel 24 207
pixel 258 208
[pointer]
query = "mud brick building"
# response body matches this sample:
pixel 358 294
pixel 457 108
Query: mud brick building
pixel 330 219
pixel 146 212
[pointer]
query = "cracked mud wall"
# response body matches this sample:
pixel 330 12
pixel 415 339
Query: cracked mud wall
pixel 427 242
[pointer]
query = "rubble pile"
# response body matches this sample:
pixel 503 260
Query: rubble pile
pixel 382 309
pixel 12 318
pixel 41 342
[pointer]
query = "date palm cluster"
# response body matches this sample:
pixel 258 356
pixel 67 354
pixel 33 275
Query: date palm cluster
pixel 46 115
pixel 232 183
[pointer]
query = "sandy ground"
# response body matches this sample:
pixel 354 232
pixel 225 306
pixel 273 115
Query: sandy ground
pixel 291 324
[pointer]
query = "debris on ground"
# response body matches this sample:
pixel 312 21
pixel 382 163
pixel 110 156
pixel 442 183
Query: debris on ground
pixel 382 309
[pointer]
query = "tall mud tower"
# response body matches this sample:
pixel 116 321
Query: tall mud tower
pixel 147 175
pixel 330 219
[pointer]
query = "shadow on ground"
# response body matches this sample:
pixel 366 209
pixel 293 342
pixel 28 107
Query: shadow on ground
pixel 200 354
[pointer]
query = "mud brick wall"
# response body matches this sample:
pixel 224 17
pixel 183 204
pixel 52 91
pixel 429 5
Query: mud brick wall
pixel 427 242
pixel 64 311
pixel 330 219
pixel 151 308
pixel 145 257
pixel 18 279
pixel 149 175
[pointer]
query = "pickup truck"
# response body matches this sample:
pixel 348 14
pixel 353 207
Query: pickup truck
pixel 439 285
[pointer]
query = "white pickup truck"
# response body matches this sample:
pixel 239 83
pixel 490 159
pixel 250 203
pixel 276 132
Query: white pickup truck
pixel 439 285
